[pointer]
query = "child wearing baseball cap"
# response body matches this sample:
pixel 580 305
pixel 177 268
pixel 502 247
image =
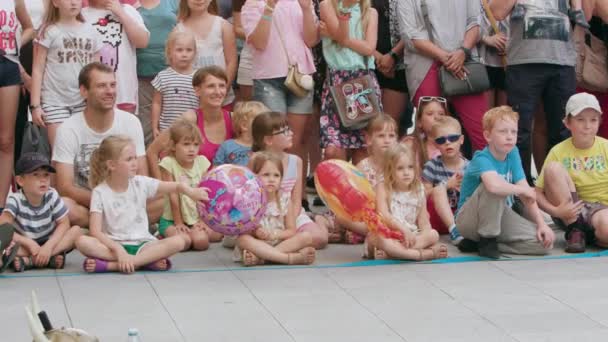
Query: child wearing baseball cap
pixel 572 184
pixel 39 216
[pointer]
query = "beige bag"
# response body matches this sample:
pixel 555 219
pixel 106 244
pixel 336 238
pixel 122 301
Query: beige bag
pixel 293 80
pixel 591 61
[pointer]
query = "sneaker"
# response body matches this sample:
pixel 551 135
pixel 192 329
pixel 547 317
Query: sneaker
pixel 305 205
pixel 310 185
pixel 468 246
pixel 317 202
pixel 455 236
pixel 575 241
pixel 488 247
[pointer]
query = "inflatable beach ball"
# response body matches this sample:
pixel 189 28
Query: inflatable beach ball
pixel 236 200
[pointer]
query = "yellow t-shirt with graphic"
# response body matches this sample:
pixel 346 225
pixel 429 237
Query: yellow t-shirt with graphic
pixel 193 177
pixel 587 168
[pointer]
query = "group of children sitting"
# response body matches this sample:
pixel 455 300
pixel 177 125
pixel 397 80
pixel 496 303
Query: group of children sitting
pixel 424 187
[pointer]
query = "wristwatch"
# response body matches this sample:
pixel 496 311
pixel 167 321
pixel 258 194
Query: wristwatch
pixel 467 52
pixel 394 55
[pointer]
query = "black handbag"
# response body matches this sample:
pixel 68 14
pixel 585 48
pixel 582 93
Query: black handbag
pixel 475 81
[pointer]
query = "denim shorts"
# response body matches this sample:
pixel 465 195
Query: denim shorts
pixel 273 93
pixel 9 73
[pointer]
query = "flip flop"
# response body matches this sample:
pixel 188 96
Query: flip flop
pixel 153 267
pixel 6 235
pixel 7 259
pixel 101 266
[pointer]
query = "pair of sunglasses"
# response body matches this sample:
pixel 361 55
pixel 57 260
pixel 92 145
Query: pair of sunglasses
pixel 448 138
pixel 425 99
pixel 285 131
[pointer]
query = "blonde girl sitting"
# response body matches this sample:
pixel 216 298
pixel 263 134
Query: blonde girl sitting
pixel 380 134
pixel 119 238
pixel 273 241
pixel 184 165
pixel 401 201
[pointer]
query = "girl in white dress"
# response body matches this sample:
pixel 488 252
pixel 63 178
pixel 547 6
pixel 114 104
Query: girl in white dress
pixel 401 202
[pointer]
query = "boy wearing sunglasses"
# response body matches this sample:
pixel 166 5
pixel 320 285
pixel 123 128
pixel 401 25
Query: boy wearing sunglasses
pixel 487 216
pixel 444 174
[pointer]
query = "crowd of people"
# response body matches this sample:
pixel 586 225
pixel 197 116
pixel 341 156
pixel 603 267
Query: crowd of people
pixel 140 99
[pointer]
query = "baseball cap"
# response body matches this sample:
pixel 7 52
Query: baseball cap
pixel 581 101
pixel 32 161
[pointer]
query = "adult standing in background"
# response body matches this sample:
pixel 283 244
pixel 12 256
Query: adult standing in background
pixel 390 69
pixel 10 83
pixel 283 32
pixel 443 35
pixel 245 69
pixel 160 17
pixel 541 60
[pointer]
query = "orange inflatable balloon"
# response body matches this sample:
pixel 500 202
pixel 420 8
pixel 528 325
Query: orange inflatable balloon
pixel 350 196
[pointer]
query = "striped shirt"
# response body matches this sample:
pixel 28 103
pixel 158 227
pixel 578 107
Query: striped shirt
pixel 177 93
pixel 37 223
pixel 436 173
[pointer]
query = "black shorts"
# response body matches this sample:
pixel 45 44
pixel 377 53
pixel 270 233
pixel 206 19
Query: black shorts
pixel 398 83
pixel 9 73
pixel 497 77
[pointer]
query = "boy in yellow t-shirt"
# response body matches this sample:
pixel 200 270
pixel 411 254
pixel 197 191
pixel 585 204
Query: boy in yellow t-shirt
pixel 572 186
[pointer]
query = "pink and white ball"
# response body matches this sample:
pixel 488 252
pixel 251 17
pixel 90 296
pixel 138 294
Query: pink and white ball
pixel 237 200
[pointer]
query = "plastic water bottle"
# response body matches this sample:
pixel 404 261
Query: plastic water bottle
pixel 133 335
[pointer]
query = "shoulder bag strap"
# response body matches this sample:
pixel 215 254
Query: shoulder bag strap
pixel 282 42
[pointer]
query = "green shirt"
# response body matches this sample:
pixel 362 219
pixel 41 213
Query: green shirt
pixel 193 177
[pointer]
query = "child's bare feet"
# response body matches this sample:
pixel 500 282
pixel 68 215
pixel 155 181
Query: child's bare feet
pixel 437 251
pixel 160 265
pixel 379 254
pixel 250 259
pixel 304 256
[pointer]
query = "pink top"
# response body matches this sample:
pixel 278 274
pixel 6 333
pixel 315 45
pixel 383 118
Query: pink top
pixel 272 62
pixel 207 148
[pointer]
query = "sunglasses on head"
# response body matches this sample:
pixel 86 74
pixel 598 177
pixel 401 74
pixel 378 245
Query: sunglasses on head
pixel 425 99
pixel 448 138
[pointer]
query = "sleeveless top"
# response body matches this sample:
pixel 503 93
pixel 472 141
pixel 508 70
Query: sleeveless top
pixel 406 205
pixel 210 51
pixel 208 148
pixel 9 30
pixel 342 58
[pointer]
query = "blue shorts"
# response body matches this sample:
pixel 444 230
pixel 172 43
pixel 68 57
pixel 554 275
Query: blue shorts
pixel 273 93
pixel 9 73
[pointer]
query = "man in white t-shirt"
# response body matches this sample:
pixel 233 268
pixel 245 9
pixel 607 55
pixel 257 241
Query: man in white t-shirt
pixel 82 133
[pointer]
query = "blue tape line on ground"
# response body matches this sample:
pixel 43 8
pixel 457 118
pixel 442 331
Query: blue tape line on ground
pixel 363 263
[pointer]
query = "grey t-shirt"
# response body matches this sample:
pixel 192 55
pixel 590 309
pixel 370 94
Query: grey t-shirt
pixel 541 33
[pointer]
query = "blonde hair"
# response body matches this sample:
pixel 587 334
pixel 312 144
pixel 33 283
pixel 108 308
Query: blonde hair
pixel 51 16
pixel 445 122
pixel 184 12
pixel 183 129
pixel 245 112
pixel 391 158
pixel 365 9
pixel 173 38
pixel 109 149
pixel 260 159
pixel 493 115
pixel 378 123
pixel 264 125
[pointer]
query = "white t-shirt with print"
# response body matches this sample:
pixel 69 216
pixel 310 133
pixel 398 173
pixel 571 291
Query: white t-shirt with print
pixel 75 141
pixel 117 50
pixel 124 213
pixel 69 49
